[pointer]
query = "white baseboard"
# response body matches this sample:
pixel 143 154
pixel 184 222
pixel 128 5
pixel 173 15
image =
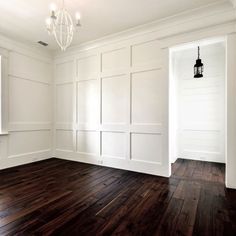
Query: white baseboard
pixel 115 163
pixel 202 156
pixel 232 186
pixel 25 159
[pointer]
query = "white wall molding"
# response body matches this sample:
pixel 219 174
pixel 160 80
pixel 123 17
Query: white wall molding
pixel 25 158
pixel 231 112
pixel 31 80
pixel 29 102
pixel 29 126
pixel 25 49
pixel 4 87
pixel 123 56
pixel 96 126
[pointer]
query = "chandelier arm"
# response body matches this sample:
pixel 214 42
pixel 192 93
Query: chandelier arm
pixel 67 32
pixel 55 30
pixel 71 30
pixel 61 29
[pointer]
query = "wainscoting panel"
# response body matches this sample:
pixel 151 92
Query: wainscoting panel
pixel 64 103
pixel 23 142
pixel 64 140
pixel 115 107
pixel 29 88
pixel 88 102
pixel 115 98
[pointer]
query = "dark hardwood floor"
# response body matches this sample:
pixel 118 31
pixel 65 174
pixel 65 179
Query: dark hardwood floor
pixel 57 197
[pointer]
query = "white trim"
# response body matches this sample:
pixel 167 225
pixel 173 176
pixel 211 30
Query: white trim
pixel 25 158
pixel 4 91
pixel 25 49
pixel 29 126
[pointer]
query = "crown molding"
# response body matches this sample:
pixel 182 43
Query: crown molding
pixel 213 14
pixel 25 49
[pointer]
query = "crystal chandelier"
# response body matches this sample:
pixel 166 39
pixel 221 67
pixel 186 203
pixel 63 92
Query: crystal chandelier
pixel 61 25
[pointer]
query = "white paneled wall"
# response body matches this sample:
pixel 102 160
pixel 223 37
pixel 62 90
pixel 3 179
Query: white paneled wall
pixel 29 110
pixel 201 104
pixel 111 106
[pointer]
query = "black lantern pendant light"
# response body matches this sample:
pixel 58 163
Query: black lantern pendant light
pixel 198 67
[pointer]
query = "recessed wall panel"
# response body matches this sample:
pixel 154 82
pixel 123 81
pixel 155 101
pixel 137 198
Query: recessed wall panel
pixel 64 72
pixel 29 68
pixel 147 97
pixel 201 141
pixel 88 68
pixel 114 60
pixel 29 101
pixel 64 140
pixel 64 103
pixel 28 142
pixel 115 99
pixel 146 147
pixel 146 53
pixel 88 102
pixel 88 142
pixel 114 144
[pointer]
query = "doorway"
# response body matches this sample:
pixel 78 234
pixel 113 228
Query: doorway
pixel 197 106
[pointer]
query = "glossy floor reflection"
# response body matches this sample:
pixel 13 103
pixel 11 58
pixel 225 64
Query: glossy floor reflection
pixel 58 197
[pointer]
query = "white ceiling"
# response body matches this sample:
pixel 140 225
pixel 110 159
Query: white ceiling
pixel 25 19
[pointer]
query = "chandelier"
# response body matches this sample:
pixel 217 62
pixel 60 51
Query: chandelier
pixel 61 26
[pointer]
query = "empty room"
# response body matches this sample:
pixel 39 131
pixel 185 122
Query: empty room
pixel 118 117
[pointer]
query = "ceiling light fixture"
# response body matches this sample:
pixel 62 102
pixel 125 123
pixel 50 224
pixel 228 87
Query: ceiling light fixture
pixel 61 25
pixel 198 67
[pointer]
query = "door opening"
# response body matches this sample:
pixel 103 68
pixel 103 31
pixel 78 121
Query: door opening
pixel 197 106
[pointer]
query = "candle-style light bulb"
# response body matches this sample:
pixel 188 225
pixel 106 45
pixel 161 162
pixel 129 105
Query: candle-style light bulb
pixel 77 16
pixel 53 7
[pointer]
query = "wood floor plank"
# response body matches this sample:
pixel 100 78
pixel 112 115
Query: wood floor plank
pixel 59 197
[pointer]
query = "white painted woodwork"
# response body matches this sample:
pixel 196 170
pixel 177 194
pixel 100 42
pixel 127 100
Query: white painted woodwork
pixel 27 94
pixel 114 60
pixel 231 108
pixel 64 72
pixel 4 92
pixel 118 118
pixel 115 92
pixel 27 105
pixel 88 68
pixel 64 104
pixel 147 96
pixel 88 142
pixel 88 103
pixel 28 142
pixel 146 147
pixel 114 145
pixel 64 140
